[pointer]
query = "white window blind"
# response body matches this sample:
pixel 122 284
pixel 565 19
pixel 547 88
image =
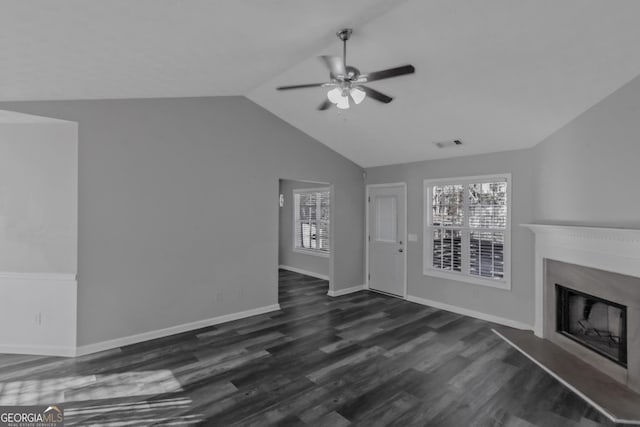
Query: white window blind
pixel 467 229
pixel 312 220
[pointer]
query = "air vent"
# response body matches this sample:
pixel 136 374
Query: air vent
pixel 449 143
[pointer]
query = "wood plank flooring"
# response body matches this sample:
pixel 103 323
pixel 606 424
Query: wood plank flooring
pixel 360 359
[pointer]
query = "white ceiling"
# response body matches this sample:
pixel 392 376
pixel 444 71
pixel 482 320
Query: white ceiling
pixel 497 74
pixel 92 49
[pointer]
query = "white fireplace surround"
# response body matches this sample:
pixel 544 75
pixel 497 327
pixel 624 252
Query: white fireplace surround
pixel 611 249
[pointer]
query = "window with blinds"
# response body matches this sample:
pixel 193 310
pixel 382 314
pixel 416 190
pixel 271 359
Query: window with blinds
pixel 467 229
pixel 312 208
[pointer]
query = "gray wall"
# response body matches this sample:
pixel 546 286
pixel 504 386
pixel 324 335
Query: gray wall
pixel 516 304
pixel 286 255
pixel 172 225
pixel 178 208
pixel 588 172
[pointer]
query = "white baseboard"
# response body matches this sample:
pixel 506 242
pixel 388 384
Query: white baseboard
pixel 159 333
pixel 38 350
pixel 346 291
pixel 471 313
pixel 38 314
pixel 305 272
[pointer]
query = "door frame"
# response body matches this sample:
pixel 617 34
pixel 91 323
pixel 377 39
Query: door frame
pixel 331 258
pixel 367 194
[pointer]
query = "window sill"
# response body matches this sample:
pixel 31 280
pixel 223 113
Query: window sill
pixel 460 277
pixel 311 252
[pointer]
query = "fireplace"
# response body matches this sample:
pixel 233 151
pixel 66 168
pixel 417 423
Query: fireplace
pixel 601 269
pixel 596 323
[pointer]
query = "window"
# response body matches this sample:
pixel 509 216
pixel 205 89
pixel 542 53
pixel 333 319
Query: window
pixel 467 229
pixel 311 211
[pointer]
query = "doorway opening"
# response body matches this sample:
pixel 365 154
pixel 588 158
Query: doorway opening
pixel 304 235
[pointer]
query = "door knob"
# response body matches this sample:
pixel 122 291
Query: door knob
pixel 400 250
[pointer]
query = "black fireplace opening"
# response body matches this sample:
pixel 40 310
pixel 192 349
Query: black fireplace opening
pixel 594 322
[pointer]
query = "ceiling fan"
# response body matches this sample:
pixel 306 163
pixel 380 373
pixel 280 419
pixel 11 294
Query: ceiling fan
pixel 347 82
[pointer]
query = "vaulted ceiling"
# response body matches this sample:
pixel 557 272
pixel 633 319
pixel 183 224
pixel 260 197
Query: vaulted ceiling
pixel 496 74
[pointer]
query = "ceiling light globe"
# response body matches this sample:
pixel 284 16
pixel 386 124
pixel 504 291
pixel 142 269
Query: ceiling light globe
pixel 344 103
pixel 335 95
pixel 358 95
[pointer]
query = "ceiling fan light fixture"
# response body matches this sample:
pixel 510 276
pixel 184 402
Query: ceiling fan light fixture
pixel 340 97
pixel 335 95
pixel 343 104
pixel 358 95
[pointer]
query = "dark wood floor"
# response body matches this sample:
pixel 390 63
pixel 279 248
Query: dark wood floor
pixel 361 359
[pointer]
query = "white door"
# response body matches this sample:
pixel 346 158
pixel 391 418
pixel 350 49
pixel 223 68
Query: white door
pixel 386 205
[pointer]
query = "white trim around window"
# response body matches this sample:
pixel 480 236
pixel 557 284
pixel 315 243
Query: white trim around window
pixel 462 228
pixel 313 224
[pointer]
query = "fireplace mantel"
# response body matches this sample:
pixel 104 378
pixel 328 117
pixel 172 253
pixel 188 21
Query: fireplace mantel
pixel 630 235
pixel 610 249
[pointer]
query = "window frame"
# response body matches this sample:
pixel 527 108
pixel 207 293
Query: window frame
pixel 427 232
pixel 296 213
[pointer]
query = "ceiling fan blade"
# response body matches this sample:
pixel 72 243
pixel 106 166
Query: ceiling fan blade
pixel 325 105
pixel 335 64
pixel 378 96
pixel 391 72
pixel 301 86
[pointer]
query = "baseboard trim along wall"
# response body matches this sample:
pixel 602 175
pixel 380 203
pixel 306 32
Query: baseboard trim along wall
pixel 305 272
pixel 38 314
pixel 160 333
pixel 38 350
pixel 471 313
pixel 346 291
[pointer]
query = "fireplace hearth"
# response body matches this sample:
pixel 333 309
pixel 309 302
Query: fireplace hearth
pixel 600 324
pixel 596 323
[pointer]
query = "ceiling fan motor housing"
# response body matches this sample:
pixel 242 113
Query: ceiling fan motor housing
pixel 352 73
